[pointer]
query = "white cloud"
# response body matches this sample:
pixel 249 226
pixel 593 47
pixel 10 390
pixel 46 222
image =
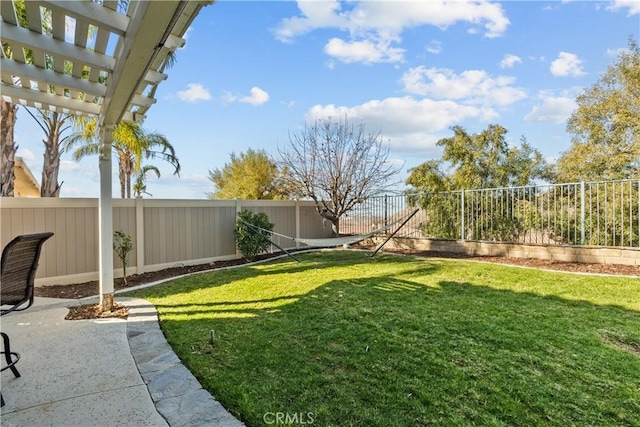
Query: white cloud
pixel 257 97
pixel 228 97
pixel 187 33
pixel 388 16
pixel 69 166
pixel 435 47
pixel 567 64
pixel 510 60
pixel 315 14
pixel 556 109
pixel 408 124
pixel 473 86
pixel 374 25
pixel 365 51
pixel 632 5
pixel 411 142
pixel 26 154
pixel 616 52
pixel 404 115
pixel 195 92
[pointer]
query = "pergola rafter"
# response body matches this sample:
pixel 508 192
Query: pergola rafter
pixel 85 56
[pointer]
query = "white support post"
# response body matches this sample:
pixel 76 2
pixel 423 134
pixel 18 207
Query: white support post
pixel 140 235
pixel 105 214
pixel 297 223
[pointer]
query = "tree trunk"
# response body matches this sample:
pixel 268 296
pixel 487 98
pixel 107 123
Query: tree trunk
pixel 331 216
pixel 128 184
pixel 8 148
pixel 51 166
pixel 121 177
pixel 106 302
pixel 335 226
pixel 129 172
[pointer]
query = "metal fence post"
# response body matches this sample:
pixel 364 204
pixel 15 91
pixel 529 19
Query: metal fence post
pixel 462 225
pixel 582 214
pixel 386 209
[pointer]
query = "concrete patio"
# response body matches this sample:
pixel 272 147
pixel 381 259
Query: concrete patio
pixel 100 372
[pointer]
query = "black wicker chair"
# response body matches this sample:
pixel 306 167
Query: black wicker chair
pixel 17 273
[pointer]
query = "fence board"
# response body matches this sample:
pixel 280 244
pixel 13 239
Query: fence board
pixel 172 231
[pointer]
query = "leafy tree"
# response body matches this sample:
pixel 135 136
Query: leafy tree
pixel 482 160
pixel 338 166
pixel 606 125
pixel 122 244
pixel 251 175
pixel 131 144
pixel 251 241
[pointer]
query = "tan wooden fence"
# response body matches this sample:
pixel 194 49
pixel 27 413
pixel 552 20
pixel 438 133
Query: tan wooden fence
pixel 165 233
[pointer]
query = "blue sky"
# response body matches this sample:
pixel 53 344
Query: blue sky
pixel 251 73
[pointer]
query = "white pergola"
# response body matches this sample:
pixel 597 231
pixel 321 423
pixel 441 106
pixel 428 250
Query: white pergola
pixel 102 58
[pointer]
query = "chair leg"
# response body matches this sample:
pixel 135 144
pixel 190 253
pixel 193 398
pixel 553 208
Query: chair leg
pixel 8 355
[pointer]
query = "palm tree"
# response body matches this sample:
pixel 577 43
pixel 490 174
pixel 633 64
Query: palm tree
pixel 53 124
pixel 140 186
pixel 131 144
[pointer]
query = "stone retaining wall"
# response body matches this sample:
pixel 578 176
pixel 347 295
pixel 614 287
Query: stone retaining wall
pixel 586 254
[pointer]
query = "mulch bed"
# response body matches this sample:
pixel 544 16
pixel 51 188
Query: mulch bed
pixel 94 311
pixel 92 288
pixel 546 264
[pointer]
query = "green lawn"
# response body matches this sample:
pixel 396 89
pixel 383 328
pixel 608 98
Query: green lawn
pixel 342 339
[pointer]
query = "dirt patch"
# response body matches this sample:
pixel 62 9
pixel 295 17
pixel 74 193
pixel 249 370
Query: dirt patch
pixel 621 341
pixel 86 289
pixel 94 311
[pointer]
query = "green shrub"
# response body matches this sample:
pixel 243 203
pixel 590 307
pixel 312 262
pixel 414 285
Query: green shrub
pixel 122 244
pixel 252 242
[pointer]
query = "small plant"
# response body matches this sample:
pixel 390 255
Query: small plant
pixel 122 244
pixel 251 241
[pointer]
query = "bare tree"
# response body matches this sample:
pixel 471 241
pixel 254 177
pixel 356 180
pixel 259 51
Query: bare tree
pixel 338 166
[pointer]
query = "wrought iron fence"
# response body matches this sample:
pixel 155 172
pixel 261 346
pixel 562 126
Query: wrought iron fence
pixel 605 213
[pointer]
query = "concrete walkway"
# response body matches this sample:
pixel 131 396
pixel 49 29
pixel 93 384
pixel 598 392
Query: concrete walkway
pixel 93 373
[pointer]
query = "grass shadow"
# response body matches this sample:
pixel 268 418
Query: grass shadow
pixel 383 347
